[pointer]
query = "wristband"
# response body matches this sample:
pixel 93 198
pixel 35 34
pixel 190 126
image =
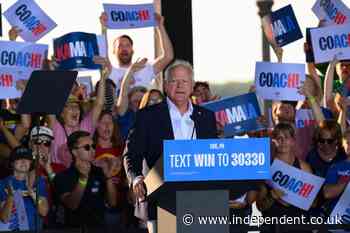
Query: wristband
pixel 82 182
pixel 51 176
pixel 312 99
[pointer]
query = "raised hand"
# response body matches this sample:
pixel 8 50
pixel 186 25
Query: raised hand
pixel 14 32
pixel 159 19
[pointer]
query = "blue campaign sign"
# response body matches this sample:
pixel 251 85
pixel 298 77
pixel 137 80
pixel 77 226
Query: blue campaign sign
pixel 76 51
pixel 217 159
pixel 236 114
pixel 285 26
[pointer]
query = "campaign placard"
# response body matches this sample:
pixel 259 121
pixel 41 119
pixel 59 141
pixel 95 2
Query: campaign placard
pixel 331 41
pixel 8 79
pixel 22 55
pixel 285 26
pixel 216 159
pixel 279 81
pixel 129 16
pixel 86 83
pixel 30 18
pixel 332 11
pixel 342 208
pixel 300 188
pixel 76 51
pixel 304 118
pixel 236 114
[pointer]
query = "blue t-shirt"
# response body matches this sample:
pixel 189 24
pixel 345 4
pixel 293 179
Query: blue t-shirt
pixel 28 201
pixel 125 123
pixel 338 172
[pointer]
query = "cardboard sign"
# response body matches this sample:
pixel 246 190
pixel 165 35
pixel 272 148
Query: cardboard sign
pixel 331 41
pixel 304 117
pixel 8 79
pixel 285 26
pixel 31 19
pixel 0 21
pixel 76 51
pixel 216 159
pixel 279 81
pixel 86 82
pixel 300 188
pixel 22 55
pixel 129 16
pixel 236 114
pixel 332 11
pixel 342 208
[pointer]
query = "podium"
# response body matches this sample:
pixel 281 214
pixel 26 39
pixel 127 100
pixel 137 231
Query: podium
pixel 182 204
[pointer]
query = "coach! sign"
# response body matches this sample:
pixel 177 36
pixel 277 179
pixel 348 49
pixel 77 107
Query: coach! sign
pixel 31 19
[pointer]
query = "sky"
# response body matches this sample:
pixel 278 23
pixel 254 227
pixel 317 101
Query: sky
pixel 227 33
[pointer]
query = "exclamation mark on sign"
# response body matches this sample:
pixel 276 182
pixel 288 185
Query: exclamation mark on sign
pixel 6 80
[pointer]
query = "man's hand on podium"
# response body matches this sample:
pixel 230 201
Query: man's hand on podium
pixel 139 188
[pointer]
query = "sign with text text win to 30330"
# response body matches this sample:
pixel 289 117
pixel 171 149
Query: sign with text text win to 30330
pixel 216 159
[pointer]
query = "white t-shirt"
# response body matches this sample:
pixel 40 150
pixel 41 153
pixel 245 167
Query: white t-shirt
pixel 143 77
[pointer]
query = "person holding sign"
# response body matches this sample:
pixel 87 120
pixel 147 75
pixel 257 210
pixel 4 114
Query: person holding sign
pixel 269 200
pixel 338 176
pixel 123 50
pixel 72 119
pixel 175 118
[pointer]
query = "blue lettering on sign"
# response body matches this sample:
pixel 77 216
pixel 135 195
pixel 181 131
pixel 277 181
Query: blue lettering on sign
pixel 291 184
pixel 333 12
pixel 141 15
pixel 334 42
pixel 279 80
pixel 31 22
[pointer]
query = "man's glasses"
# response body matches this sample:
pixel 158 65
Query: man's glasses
pixel 45 143
pixel 87 147
pixel 326 140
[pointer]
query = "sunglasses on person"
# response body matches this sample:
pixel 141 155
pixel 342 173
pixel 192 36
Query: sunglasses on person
pixel 45 143
pixel 87 147
pixel 326 140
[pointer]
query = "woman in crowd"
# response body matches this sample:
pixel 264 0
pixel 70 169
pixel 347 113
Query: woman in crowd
pixel 327 150
pixel 338 177
pixel 269 200
pixel 72 119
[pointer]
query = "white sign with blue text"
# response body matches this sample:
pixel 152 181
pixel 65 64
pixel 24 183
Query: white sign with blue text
pixel 300 188
pixel 279 81
pixel 22 55
pixel 342 208
pixel 216 159
pixel 31 19
pixel 331 41
pixel 332 11
pixel 8 79
pixel 129 16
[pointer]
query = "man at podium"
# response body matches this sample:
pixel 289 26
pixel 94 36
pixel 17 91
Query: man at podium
pixel 175 118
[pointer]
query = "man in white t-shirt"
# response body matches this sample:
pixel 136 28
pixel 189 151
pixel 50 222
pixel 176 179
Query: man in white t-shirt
pixel 123 50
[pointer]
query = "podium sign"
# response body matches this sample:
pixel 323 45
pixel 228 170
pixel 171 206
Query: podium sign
pixel 216 159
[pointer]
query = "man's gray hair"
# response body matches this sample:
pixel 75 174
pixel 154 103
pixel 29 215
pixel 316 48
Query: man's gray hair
pixel 177 63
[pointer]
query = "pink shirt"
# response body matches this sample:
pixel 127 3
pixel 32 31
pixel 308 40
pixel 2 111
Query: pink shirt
pixel 59 150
